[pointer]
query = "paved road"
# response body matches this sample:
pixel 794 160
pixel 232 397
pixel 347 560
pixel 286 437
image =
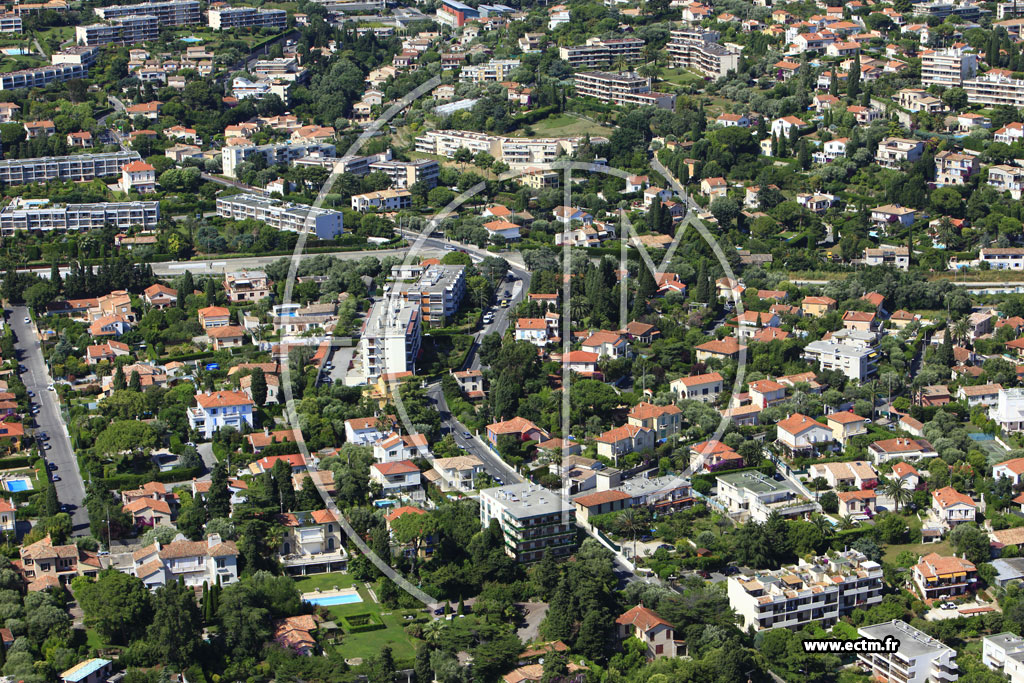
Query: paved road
pixel 70 489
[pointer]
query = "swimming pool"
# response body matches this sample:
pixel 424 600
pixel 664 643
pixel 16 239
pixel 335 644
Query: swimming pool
pixel 977 436
pixel 15 51
pixel 327 600
pixel 191 39
pixel 14 485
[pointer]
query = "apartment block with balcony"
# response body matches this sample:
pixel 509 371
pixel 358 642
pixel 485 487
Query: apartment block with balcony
pixel 533 520
pixel 1004 653
pixel 76 167
pixel 947 68
pixel 856 361
pixel 820 592
pixel 383 200
pixel 276 153
pixel 1005 178
pixel 312 543
pixel 598 52
pixel 391 337
pixel 40 76
pixel 894 152
pixel 754 495
pixel 936 576
pixel 919 658
pixel 405 174
pixel 173 13
pixel 621 89
pixel 38 215
pixel 324 223
pixel 220 18
pixel 246 286
pixel 995 89
pixel 699 50
pixel 493 71
pixel 438 291
pixel 127 30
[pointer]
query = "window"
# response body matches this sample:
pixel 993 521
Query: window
pixel 659 649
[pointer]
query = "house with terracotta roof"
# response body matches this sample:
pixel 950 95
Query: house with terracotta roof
pixel 644 333
pixel 600 503
pixel 649 628
pixel 519 427
pixel 394 447
pixel 214 316
pixel 936 576
pixel 904 471
pixel 529 673
pixel 664 421
pixel 8 516
pixel 227 337
pixel 534 330
pixel 395 477
pixel 817 306
pixel 713 455
pixel 11 434
pixel 606 343
pixel 297 634
pixel 160 296
pixel 149 512
pixel 110 326
pixel 766 392
pixel 45 565
pixel 1011 469
pixel 728 348
pixel 313 542
pixel 364 431
pixel 901 448
pixel 706 387
pixel 951 507
pixel 138 176
pixel 859 320
pixel 582 362
pixel 857 474
pixel 458 473
pixel 260 440
pixel 624 440
pixel 295 461
pixel 215 410
pixel 856 503
pixel 846 425
pixel 799 433
pixel 108 351
pixel 195 562
pixel 979 394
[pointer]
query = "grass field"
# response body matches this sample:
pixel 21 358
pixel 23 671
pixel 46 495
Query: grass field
pixel 942 548
pixel 365 645
pixel 560 125
pixel 681 77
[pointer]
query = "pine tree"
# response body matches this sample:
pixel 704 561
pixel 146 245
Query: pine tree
pixel 558 622
pixel 135 382
pixel 804 155
pixel 258 387
pixel 119 380
pixel 186 288
pixel 853 80
pixel 592 640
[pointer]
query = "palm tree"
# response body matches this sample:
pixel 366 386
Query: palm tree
pixel 960 330
pixel 846 522
pixel 822 524
pixel 630 523
pixel 898 490
pixel 431 632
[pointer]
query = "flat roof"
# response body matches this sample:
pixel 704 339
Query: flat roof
pixel 913 643
pixel 527 500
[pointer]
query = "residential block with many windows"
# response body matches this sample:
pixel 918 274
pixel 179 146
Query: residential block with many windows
pixel 534 521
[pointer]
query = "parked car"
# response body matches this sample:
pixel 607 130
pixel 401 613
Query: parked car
pixel 52 466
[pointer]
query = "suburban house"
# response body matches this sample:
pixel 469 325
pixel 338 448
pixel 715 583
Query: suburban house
pixel 625 439
pixel 664 421
pixel 857 474
pixel 312 543
pixel 519 427
pixel 704 388
pixel 901 448
pixel 951 507
pixel 936 576
pixel 395 447
pixel 857 503
pixel 801 433
pixel 458 473
pixel 218 409
pixel 846 424
pixel 395 477
pixel 364 431
pixel 646 626
pixel 211 561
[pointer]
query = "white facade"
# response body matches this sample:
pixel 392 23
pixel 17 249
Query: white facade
pixel 1004 653
pixel 947 68
pixel 39 215
pixel 759 496
pixel 277 153
pixel 220 409
pixel 856 362
pixel 326 224
pixel 1008 411
pixel 919 658
pixel 195 562
pixel 391 338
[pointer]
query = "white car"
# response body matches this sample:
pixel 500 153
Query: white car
pixel 28 321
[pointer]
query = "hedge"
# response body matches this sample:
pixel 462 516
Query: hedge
pixel 128 481
pixel 766 468
pixel 15 461
pixel 361 623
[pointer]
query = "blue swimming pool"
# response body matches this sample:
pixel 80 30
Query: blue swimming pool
pixel 327 600
pixel 15 51
pixel 191 39
pixel 975 436
pixel 14 485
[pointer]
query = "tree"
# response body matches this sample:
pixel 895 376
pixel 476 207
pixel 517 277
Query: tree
pixel 175 631
pixel 282 474
pixel 185 289
pixel 259 387
pixel 211 290
pixel 725 211
pixel 117 605
pixel 119 381
pixel 558 622
pixel 244 622
pixel 381 669
pixel 899 490
pixel 592 641
pixel 970 542
pixel 218 499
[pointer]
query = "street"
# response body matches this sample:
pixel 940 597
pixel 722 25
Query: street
pixel 70 489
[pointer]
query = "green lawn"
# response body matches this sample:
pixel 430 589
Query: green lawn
pixel 942 548
pixel 365 645
pixel 559 125
pixel 681 76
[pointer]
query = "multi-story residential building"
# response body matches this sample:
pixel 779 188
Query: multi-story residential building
pixel 919 658
pixel 405 174
pixel 245 286
pixel 856 361
pixel 8 516
pixel 1008 411
pixel 212 561
pixel 130 29
pixel 818 592
pixel 663 421
pixel 10 23
pixel 312 543
pixel 383 200
pixel 936 576
pixel 597 52
pixel 621 89
pixel 894 152
pixel 516 152
pixel 220 409
pixel 758 496
pixel 493 71
pixel 237 17
pixel 458 473
pixel 391 336
pixel 40 76
pixel 138 176
pixel 995 89
pixel 947 68
pixel 38 215
pixel 75 55
pixel 396 477
pixel 951 507
pixel 999 258
pixel 324 223
pixel 1005 178
pixel 438 292
pixel 704 388
pixel 693 48
pixel 74 168
pixel 45 565
pixel 243 88
pixel 953 168
pixel 533 520
pixel 276 153
pixel 887 255
pixel 1004 652
pixel 170 13
pixel 395 447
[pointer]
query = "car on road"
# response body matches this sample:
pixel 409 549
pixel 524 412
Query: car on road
pixel 948 605
pixel 41 436
pixel 46 446
pixel 467 435
pixel 667 547
pixel 50 387
pixel 55 478
pixel 28 321
pixel 52 466
pixel 31 394
pixel 65 507
pixel 22 368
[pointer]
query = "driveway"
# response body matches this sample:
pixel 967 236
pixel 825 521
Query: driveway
pixel 938 614
pixel 533 614
pixel 70 489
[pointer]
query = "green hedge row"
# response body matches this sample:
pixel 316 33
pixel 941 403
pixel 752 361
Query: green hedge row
pixel 371 623
pixel 128 481
pixel 15 461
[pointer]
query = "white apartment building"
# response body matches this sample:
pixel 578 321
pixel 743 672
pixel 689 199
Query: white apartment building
pixel 954 168
pixel 405 174
pixel 196 562
pixel 1008 411
pixel 995 90
pixel 919 658
pixel 40 76
pixel 493 71
pixel 947 68
pixel 172 13
pixel 80 55
pixel 276 153
pixel 243 88
pixel 1005 178
pixel 218 409
pixel 1004 653
pixel 621 89
pixel 516 152
pixel 10 23
pixel 438 292
pixel 534 520
pixel 887 255
pixel 384 200
pixel 758 496
pixel 391 337
pixel 74 168
pixel 598 52
pixel 324 223
pixel 235 17
pixel 1000 258
pixel 130 29
pixel 893 152
pixel 856 361
pixel 819 592
pixel 40 215
pixel 698 49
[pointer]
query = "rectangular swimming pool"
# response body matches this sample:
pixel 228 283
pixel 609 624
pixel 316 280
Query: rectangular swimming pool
pixel 14 485
pixel 328 600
